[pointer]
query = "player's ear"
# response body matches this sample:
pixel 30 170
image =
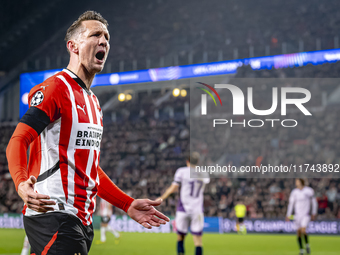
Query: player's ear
pixel 72 46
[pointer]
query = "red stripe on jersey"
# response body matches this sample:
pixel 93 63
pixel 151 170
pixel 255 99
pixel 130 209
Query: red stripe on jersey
pixel 24 210
pixel 81 181
pixel 93 176
pixel 65 130
pixel 99 109
pixel 94 114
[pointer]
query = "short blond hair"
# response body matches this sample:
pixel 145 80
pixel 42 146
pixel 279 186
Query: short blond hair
pixel 88 15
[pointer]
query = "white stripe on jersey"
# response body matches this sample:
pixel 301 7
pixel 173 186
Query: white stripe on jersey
pixel 90 160
pixel 91 182
pixel 70 154
pixel 98 114
pixel 49 142
pixel 97 180
pixel 88 106
pixel 44 157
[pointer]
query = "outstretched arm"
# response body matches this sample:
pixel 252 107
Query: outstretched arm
pixel 314 208
pixel 143 211
pixel 140 210
pixel 290 206
pixel 111 193
pixel 173 188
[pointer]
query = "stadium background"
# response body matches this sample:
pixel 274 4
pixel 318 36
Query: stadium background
pixel 146 137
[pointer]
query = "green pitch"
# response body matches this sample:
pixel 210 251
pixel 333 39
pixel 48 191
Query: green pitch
pixel 165 244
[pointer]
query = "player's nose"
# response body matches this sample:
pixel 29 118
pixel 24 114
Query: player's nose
pixel 103 41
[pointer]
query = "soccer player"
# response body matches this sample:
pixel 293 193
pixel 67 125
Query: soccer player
pixel 63 128
pixel 190 204
pixel 301 200
pixel 26 247
pixel 240 212
pixel 106 213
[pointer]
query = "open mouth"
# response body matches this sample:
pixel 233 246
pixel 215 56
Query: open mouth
pixel 100 55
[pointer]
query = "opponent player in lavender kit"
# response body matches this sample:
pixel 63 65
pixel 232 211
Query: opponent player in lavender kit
pixel 301 199
pixel 190 205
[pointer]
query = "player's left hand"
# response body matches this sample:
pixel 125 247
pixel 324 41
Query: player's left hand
pixel 143 211
pixel 313 218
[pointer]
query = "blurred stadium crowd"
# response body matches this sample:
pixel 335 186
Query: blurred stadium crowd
pixel 148 34
pixel 141 152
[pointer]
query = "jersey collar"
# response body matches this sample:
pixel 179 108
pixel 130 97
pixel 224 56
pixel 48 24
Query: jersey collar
pixel 77 80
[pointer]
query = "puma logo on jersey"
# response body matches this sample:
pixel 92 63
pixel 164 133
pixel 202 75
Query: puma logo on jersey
pixel 43 87
pixel 81 108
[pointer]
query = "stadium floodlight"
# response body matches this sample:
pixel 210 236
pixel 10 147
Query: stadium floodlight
pixel 121 97
pixel 183 92
pixel 128 97
pixel 176 92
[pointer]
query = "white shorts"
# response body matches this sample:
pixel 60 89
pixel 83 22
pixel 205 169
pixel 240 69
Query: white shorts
pixel 301 221
pixel 194 221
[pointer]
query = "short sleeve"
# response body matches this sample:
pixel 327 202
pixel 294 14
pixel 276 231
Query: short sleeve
pixel 178 176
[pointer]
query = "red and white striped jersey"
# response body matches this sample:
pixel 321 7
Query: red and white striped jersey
pixel 65 156
pixel 105 208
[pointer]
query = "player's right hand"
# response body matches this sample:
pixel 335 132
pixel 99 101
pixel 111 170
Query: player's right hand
pixel 287 219
pixel 143 211
pixel 35 201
